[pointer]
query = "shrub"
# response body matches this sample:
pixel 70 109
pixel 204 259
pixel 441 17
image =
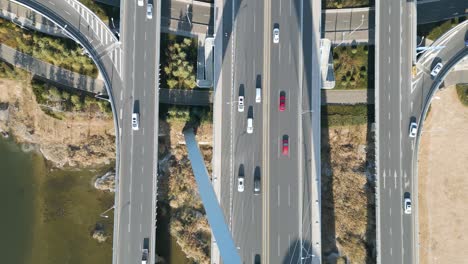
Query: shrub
pixel 462 92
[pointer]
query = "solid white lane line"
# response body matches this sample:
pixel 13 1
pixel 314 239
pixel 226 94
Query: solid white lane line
pixel 52 3
pixel 290 53
pixel 289 197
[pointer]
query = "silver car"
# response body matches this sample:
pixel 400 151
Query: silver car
pixel 413 130
pixel 140 3
pixel 435 71
pixel 407 205
pixel 240 184
pixel 240 106
pixel 149 11
pixel 276 35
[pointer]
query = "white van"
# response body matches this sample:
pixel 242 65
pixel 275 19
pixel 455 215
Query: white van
pixel 135 121
pixel 250 125
pixel 258 95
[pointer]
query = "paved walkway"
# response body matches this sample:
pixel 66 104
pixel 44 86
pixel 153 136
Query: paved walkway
pixel 347 97
pixel 50 72
pixel 185 97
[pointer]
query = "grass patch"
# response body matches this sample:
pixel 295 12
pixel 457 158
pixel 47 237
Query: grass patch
pixel 60 52
pixel 344 115
pixel 179 61
pixel 8 71
pixel 191 114
pixel 333 4
pixel 351 67
pixel 55 101
pixel 433 31
pixel 104 12
pixel 462 92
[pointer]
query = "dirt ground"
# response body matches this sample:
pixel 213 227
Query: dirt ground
pixel 347 196
pixel 80 139
pixel 443 182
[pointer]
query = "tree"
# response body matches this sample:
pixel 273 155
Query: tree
pixel 179 69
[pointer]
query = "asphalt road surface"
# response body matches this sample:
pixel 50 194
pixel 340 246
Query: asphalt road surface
pixel 242 152
pixel 394 145
pixel 138 148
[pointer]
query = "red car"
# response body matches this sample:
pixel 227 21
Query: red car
pixel 282 101
pixel 285 146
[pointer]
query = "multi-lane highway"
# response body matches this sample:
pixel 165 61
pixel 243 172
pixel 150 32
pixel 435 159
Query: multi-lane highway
pixel 251 60
pixel 394 157
pixel 138 150
pixel 242 152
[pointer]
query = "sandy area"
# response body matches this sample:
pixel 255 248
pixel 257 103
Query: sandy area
pixel 80 139
pixel 443 182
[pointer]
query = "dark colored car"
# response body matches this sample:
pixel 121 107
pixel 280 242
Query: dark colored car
pixel 257 259
pixel 282 101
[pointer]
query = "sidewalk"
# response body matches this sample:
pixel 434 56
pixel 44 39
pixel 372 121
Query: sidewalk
pixel 347 97
pixel 50 72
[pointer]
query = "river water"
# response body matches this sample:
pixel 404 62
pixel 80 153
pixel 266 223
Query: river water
pixel 48 216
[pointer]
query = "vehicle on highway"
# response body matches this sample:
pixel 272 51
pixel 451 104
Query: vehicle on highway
pixel 413 129
pixel 144 253
pixel 149 11
pixel 258 95
pixel 240 106
pixel 250 125
pixel 140 3
pixel 135 121
pixel 256 185
pixel 436 69
pixel 240 183
pixel 276 34
pixel 407 205
pixel 282 101
pixel 257 259
pixel 285 145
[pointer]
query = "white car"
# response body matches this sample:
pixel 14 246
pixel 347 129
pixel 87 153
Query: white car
pixel 240 184
pixel 140 3
pixel 407 205
pixel 276 35
pixel 135 121
pixel 436 69
pixel 413 130
pixel 149 11
pixel 249 125
pixel 240 106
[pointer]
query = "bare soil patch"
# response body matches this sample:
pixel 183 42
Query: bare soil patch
pixel 443 182
pixel 82 139
pixel 348 214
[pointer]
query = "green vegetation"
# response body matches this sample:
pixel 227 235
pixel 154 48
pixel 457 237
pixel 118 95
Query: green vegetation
pixel 60 52
pixel 343 115
pixel 54 101
pixel 191 114
pixel 332 4
pixel 433 31
pixel 462 91
pixel 178 59
pixel 351 67
pixel 9 71
pixel 104 12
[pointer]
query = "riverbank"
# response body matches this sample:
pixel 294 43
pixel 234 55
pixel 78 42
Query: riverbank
pixel 78 139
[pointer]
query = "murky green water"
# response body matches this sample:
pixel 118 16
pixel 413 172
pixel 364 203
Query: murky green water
pixel 47 217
